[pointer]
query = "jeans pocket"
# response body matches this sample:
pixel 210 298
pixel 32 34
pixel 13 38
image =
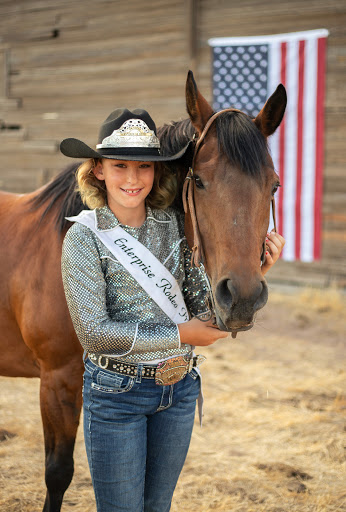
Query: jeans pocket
pixel 193 374
pixel 111 382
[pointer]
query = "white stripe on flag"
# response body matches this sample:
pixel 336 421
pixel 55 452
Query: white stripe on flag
pixel 290 149
pixel 247 40
pixel 309 152
pixel 274 78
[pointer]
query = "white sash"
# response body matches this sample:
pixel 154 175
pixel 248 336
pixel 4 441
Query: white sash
pixel 148 271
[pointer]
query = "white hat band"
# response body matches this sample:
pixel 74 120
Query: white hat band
pixel 134 133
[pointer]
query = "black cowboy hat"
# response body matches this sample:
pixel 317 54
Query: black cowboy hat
pixel 124 135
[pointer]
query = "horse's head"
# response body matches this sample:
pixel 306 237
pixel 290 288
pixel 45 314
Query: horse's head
pixel 233 183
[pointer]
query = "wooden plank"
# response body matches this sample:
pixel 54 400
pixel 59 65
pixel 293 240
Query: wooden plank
pixel 59 53
pixel 4 71
pixel 9 104
pixel 3 75
pixel 110 85
pixel 11 135
pixel 41 34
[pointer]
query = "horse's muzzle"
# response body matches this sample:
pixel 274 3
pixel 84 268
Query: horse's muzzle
pixel 233 329
pixel 236 306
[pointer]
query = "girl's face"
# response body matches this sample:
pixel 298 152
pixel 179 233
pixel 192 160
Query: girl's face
pixel 127 182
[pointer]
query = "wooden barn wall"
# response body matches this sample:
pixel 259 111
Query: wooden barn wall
pixel 65 64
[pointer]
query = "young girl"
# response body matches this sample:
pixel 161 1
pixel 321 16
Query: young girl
pixel 131 290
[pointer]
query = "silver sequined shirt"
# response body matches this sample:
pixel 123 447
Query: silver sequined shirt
pixel 110 311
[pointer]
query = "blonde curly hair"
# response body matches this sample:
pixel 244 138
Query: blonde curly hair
pixel 94 193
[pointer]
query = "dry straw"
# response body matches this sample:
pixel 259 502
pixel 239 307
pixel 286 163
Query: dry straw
pixel 273 433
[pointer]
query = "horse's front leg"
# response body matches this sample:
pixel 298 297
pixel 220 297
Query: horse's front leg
pixel 61 400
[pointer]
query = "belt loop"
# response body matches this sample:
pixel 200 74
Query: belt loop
pixel 139 373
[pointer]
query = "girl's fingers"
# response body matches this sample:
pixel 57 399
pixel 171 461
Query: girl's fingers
pixel 274 246
pixel 275 242
pixel 272 251
pixel 276 238
pixel 269 259
pixel 273 238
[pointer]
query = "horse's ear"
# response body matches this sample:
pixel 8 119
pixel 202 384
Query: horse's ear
pixel 197 107
pixel 273 111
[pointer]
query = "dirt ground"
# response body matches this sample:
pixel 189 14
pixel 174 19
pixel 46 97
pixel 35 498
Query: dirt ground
pixel 273 435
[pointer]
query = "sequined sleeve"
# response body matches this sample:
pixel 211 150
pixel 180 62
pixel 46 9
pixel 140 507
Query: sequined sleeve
pixel 195 286
pixel 85 291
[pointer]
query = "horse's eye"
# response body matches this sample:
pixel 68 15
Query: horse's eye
pixel 198 181
pixel 275 188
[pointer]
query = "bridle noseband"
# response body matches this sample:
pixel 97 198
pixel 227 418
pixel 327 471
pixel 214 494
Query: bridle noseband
pixel 188 197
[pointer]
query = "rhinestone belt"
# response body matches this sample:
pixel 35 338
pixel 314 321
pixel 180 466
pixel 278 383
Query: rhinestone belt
pixel 174 368
pixel 130 369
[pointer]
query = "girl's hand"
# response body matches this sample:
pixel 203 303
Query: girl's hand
pixel 274 244
pixel 198 333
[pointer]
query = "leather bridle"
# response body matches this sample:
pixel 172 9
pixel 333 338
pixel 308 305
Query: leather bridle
pixel 189 203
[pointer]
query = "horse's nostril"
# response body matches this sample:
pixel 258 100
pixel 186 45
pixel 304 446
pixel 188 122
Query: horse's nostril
pixel 225 293
pixel 263 297
pixel 228 295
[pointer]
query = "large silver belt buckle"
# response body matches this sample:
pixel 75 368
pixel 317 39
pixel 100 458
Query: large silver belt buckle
pixel 174 369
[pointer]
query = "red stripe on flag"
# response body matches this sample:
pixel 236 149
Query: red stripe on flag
pixel 321 62
pixel 282 142
pixel 299 148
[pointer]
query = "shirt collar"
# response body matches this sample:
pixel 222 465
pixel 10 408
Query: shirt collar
pixel 106 220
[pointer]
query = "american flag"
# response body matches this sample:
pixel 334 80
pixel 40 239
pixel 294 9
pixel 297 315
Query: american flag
pixel 246 71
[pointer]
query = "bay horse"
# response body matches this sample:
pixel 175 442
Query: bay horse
pixel 233 181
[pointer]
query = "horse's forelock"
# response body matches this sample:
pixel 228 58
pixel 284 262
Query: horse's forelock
pixel 241 141
pixel 238 138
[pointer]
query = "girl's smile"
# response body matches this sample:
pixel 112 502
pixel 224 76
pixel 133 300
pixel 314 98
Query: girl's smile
pixel 128 183
pixel 132 192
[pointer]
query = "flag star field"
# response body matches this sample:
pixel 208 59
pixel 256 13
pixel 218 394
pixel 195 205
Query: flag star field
pixel 240 77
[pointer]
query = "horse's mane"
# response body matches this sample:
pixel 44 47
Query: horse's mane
pixel 175 135
pixel 62 186
pixel 238 139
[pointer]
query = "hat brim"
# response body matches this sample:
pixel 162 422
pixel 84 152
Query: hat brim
pixel 75 148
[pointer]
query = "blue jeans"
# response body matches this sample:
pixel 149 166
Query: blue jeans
pixel 137 435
